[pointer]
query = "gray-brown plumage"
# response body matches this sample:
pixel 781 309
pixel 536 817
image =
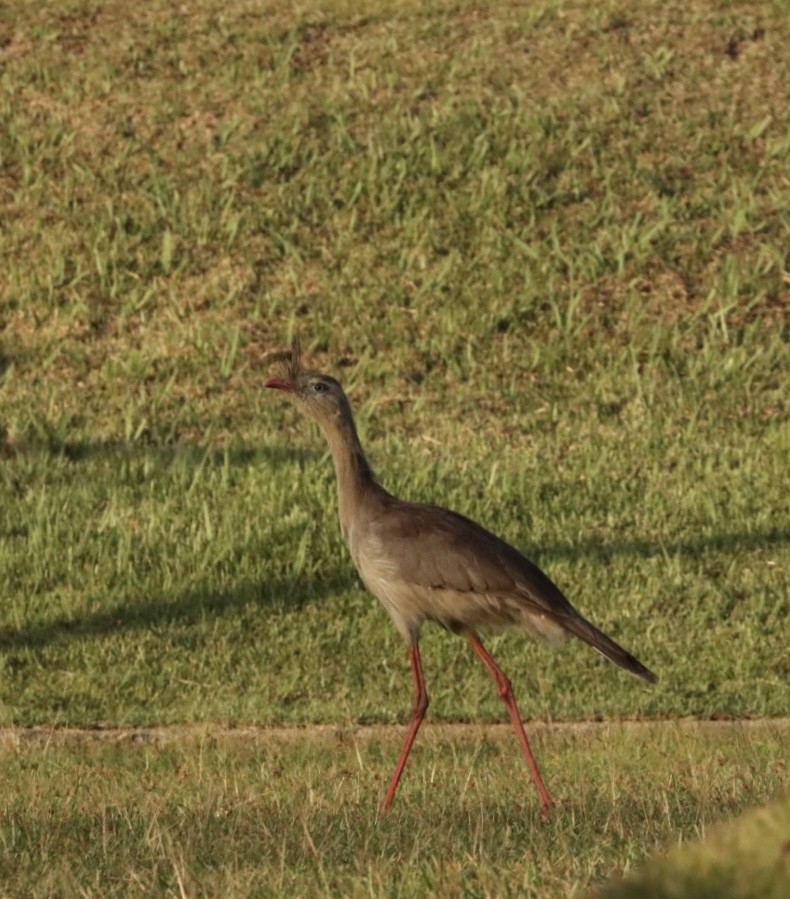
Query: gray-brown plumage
pixel 425 563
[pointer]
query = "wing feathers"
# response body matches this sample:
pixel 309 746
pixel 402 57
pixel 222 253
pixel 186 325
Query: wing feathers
pixel 435 549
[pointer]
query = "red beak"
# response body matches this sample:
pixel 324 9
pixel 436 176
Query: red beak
pixel 280 384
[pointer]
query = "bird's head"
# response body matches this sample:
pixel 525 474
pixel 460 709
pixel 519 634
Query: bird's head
pixel 319 395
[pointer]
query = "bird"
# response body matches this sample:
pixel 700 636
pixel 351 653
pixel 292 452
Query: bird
pixel 425 563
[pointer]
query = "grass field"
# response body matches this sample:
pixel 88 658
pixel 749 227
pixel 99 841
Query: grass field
pixel 215 813
pixel 545 247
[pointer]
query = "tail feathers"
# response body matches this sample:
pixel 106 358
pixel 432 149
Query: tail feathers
pixel 582 629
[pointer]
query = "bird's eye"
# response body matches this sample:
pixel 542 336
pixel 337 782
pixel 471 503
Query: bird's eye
pixel 319 387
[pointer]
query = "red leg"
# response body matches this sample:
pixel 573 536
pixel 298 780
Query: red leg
pixel 418 713
pixel 505 691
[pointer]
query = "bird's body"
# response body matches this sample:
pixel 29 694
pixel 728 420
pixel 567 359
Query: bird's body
pixel 427 563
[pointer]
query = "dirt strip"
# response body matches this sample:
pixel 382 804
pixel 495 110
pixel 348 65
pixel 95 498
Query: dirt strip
pixel 55 735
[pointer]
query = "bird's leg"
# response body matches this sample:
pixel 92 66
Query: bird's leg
pixel 418 713
pixel 505 690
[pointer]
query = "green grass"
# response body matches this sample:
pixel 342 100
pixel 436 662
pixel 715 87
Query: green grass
pixel 213 814
pixel 543 245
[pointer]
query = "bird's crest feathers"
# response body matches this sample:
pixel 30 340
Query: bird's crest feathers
pixel 288 362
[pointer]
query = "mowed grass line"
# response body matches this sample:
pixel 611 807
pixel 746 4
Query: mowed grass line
pixel 212 813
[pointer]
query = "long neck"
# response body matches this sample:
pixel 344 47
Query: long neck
pixel 356 483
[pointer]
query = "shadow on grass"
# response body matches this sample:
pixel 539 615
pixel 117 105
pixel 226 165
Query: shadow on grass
pixel 164 455
pixel 605 550
pixel 196 604
pixel 190 607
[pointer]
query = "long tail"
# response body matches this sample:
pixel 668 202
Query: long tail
pixel 582 629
